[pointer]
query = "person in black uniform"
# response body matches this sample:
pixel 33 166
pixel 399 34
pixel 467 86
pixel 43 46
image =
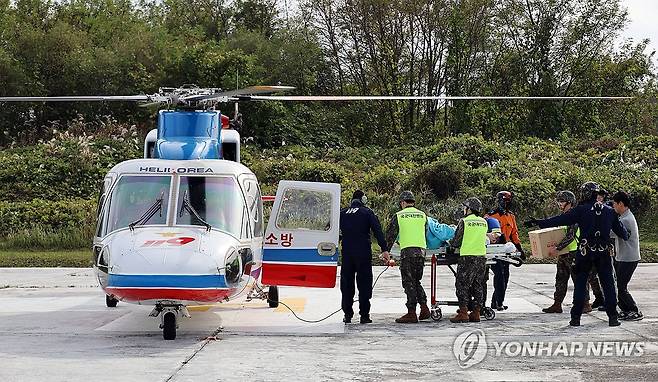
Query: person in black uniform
pixel 356 223
pixel 595 221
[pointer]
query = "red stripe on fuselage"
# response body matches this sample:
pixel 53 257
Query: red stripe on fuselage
pixel 317 276
pixel 142 294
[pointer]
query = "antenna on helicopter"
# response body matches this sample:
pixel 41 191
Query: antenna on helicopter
pixel 236 122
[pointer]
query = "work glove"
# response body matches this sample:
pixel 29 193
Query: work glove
pixel 521 251
pixel 530 223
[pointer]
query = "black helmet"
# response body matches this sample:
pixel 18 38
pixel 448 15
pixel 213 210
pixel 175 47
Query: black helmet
pixel 474 204
pixel 407 196
pixel 566 196
pixel 588 191
pixel 504 199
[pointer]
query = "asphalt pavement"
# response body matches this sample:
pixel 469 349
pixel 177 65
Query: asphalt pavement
pixel 54 326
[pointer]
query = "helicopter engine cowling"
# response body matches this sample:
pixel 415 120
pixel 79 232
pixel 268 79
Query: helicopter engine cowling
pixel 187 135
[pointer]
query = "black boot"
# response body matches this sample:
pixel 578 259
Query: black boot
pixel 574 322
pixel 347 319
pixel 365 319
pixel 598 301
pixel 613 321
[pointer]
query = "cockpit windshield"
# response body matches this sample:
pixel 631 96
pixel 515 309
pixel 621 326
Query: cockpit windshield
pixel 216 200
pixel 134 196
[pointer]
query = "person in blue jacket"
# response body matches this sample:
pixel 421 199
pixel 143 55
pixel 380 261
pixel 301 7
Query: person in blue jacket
pixel 356 223
pixel 595 221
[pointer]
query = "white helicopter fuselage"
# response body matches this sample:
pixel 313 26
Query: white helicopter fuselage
pixel 174 257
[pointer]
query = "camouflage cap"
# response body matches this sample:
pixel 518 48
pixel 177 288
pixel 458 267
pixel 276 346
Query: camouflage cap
pixel 474 204
pixel 566 196
pixel 407 196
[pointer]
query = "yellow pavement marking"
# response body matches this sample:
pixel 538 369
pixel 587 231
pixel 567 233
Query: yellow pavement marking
pixel 296 304
pixel 199 308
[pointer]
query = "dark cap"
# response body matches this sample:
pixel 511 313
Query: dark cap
pixel 407 196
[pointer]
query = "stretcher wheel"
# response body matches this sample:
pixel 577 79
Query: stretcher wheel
pixel 436 314
pixel 489 314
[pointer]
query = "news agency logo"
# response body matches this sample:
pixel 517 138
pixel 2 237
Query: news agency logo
pixel 470 348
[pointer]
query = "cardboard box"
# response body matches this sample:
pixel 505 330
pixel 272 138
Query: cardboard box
pixel 541 239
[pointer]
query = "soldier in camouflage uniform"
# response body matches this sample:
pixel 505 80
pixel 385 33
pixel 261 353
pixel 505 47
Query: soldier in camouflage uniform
pixel 470 238
pixel 407 227
pixel 567 200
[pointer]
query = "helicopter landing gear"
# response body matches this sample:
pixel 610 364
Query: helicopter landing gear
pixel 273 296
pixel 169 318
pixel 110 301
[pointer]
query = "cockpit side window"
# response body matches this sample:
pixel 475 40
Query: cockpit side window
pixel 255 206
pixel 100 207
pixel 100 215
pixel 217 200
pixel 134 196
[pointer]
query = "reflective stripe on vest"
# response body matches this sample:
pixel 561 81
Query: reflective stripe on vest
pixel 475 236
pixel 573 246
pixel 411 223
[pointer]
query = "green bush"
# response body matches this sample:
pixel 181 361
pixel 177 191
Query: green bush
pixel 46 215
pixel 444 176
pixel 384 180
pixel 64 167
pixel 52 186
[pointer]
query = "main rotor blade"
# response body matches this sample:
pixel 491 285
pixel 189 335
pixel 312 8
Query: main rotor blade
pixel 261 89
pixel 75 98
pixel 419 98
pixel 229 95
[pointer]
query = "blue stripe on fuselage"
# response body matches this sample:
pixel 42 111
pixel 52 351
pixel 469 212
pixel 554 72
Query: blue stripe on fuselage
pixel 167 281
pixel 297 255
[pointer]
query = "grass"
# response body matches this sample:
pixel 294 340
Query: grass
pixel 42 239
pixel 69 258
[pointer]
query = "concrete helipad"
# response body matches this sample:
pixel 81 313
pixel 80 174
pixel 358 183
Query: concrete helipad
pixel 54 326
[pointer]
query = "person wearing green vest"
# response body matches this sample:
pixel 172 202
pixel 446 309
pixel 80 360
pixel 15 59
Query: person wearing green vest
pixel 408 227
pixel 566 200
pixel 471 239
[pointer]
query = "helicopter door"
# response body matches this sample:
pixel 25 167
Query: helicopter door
pixel 299 247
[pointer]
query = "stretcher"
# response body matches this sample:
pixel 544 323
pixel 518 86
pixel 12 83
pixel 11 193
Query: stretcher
pixel 446 256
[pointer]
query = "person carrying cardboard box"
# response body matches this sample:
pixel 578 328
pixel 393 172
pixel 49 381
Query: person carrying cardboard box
pixel 595 220
pixel 566 200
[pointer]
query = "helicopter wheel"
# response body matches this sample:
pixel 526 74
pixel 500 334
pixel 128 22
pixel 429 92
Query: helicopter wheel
pixel 436 314
pixel 110 301
pixel 489 314
pixel 169 326
pixel 273 296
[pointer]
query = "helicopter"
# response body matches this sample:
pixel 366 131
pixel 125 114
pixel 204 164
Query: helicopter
pixel 184 225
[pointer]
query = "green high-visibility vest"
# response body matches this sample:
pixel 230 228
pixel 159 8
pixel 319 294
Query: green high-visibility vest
pixel 573 246
pixel 474 242
pixel 411 223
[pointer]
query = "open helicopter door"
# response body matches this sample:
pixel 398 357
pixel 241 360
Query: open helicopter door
pixel 301 240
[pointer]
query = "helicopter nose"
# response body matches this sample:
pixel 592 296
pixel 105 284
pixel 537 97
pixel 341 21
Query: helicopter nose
pixel 167 261
pixel 168 275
